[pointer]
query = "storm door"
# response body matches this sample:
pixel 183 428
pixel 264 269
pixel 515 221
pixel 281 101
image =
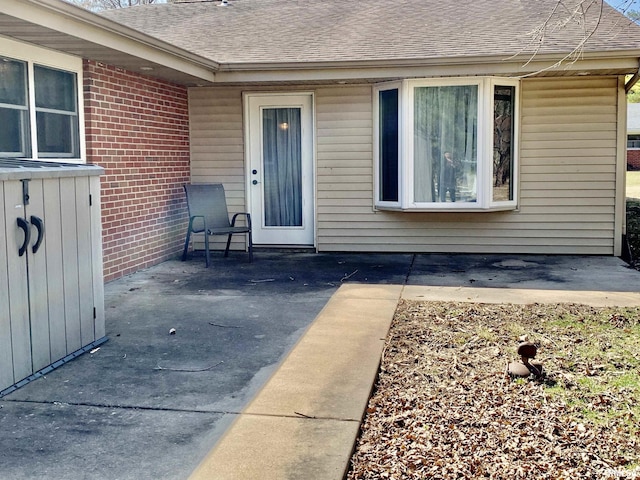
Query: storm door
pixel 280 176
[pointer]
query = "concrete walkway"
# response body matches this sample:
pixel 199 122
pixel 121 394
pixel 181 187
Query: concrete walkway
pixel 271 367
pixel 305 421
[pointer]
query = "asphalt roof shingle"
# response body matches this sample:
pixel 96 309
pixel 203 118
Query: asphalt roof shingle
pixel 283 31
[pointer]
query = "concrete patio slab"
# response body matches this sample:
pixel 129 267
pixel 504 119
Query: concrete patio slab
pixel 152 405
pixel 538 272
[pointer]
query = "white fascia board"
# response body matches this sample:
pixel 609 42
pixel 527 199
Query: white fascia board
pixel 72 20
pixel 448 67
pixel 526 63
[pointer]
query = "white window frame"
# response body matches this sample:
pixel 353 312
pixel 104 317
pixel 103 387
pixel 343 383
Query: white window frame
pixel 484 172
pixel 33 55
pixel 376 142
pixel 515 139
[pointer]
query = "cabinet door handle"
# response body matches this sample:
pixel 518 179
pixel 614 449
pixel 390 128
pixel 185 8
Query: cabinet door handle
pixel 24 225
pixel 39 224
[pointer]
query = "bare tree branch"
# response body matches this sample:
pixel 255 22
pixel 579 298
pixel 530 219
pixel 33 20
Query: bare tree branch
pixel 97 5
pixel 586 15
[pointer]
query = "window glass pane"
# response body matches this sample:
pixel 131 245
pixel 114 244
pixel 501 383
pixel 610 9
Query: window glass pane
pixel 57 134
pixel 503 101
pixel 14 138
pixel 14 116
pixel 445 143
pixel 633 141
pixel 13 82
pixel 282 158
pixel 388 106
pixel 55 89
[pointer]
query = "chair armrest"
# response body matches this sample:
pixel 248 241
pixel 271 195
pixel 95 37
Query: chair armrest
pixel 204 223
pixel 247 215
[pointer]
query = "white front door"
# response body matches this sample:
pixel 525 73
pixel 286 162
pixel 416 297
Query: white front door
pixel 280 175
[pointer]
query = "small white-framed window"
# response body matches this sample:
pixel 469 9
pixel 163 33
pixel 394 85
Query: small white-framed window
pixel 387 145
pixel 56 106
pixel 633 142
pixel 446 144
pixel 40 103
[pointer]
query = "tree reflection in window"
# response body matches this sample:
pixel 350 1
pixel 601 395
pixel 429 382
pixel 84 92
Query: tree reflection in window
pixel 503 99
pixel 445 143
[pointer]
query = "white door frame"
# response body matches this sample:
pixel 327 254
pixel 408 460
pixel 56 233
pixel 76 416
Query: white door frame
pixel 253 104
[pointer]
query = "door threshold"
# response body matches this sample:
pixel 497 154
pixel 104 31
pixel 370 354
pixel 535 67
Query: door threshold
pixel 285 248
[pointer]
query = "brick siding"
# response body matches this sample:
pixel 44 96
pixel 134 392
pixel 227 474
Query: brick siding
pixel 633 159
pixel 137 128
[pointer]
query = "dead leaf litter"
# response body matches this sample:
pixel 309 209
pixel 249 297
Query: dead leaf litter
pixel 445 408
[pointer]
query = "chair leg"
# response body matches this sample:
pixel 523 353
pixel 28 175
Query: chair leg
pixel 226 250
pixel 250 247
pixel 186 245
pixel 206 248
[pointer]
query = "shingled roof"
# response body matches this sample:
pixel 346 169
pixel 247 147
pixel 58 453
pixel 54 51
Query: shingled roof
pixel 330 31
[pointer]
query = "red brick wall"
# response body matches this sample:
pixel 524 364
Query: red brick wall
pixel 633 159
pixel 137 128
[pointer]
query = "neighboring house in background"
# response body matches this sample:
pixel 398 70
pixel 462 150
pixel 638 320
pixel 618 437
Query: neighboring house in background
pixel 633 136
pixel 329 121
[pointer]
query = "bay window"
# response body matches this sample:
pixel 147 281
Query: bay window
pixel 40 106
pixel 446 144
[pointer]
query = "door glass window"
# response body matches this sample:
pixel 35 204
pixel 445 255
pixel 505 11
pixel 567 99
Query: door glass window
pixel 282 158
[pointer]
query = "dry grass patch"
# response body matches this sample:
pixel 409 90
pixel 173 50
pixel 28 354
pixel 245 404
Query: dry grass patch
pixel 444 407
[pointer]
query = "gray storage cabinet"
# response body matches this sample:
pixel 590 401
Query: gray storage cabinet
pixel 51 282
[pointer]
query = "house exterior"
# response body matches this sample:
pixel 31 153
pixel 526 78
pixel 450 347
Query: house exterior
pixel 633 136
pixel 406 126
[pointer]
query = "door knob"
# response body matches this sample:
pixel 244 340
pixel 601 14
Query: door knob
pixel 255 182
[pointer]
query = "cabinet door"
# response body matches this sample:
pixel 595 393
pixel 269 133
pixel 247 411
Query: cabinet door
pixel 70 267
pixel 38 274
pixel 6 358
pixel 52 253
pixel 85 266
pixel 15 332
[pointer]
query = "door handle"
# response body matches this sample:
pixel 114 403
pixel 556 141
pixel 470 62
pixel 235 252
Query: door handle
pixel 255 182
pixel 24 225
pixel 39 224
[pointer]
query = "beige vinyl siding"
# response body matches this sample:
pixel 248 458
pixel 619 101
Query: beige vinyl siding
pixel 567 179
pixel 345 169
pixel 567 173
pixel 217 148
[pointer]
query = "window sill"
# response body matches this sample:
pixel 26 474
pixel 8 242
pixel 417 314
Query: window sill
pixel 448 209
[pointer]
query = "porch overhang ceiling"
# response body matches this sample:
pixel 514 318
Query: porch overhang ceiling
pixel 67 28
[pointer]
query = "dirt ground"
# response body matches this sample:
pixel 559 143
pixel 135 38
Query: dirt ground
pixel 445 408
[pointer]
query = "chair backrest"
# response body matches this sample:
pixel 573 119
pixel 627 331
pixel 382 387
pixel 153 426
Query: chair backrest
pixel 208 200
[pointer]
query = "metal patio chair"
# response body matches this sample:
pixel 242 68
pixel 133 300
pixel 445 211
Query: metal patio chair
pixel 208 214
